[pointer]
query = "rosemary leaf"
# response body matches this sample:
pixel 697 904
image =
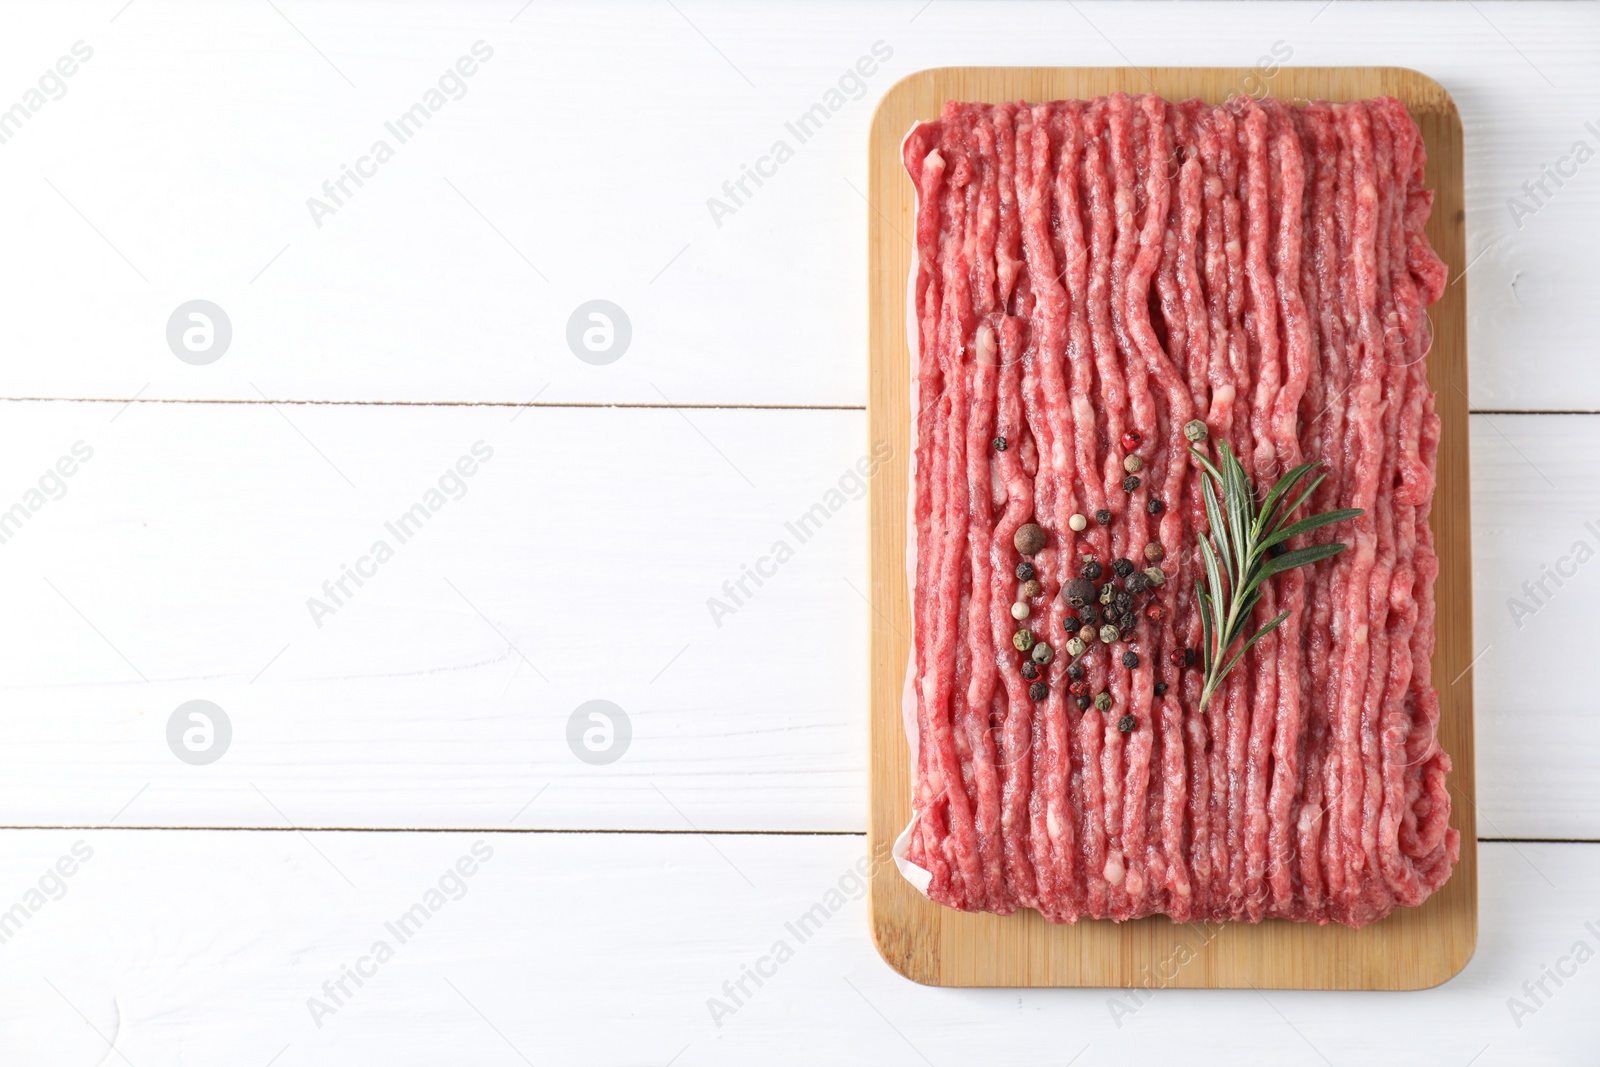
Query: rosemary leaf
pixel 1238 557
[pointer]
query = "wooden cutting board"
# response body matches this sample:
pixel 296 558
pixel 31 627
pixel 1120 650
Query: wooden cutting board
pixel 1413 948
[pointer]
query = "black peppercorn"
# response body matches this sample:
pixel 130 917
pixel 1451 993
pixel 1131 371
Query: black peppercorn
pixel 1038 691
pixel 1136 583
pixel 1123 601
pixel 1079 592
pixel 1103 517
pixel 1123 567
pixel 1089 614
pixel 1030 669
pixel 999 444
pixel 1154 506
pixel 1075 671
pixel 1025 571
pixel 1130 483
pixel 1071 624
pixel 1189 656
pixel 1161 689
pixel 1130 659
pixel 1127 723
pixel 1083 703
pixel 1091 569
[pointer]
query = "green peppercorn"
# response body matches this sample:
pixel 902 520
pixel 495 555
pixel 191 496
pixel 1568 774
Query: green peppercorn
pixel 1043 654
pixel 1025 571
pixel 1107 591
pixel 1038 691
pixel 1103 517
pixel 1102 701
pixel 1130 659
pixel 1023 639
pixel 1108 633
pixel 1127 724
pixel 1075 647
pixel 1195 431
pixel 1156 576
pixel 999 444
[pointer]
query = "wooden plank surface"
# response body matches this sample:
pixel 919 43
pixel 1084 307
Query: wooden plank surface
pixel 192 143
pixel 1412 948
pixel 206 947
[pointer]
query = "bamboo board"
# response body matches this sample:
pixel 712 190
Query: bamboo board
pixel 1414 948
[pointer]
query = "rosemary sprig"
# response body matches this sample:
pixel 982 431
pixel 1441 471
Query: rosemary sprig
pixel 1247 553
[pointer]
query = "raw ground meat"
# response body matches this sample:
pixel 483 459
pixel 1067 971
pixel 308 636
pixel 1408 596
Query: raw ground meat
pixel 1090 276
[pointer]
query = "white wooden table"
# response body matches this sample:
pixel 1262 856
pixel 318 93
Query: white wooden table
pixel 228 912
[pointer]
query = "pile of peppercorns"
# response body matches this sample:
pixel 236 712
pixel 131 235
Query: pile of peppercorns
pixel 1101 611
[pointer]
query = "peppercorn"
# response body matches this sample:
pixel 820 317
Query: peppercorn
pixel 1083 703
pixel 1136 583
pixel 1154 552
pixel 1020 610
pixel 1075 647
pixel 1132 440
pixel 1131 464
pixel 1023 639
pixel 1031 588
pixel 1155 612
pixel 1038 691
pixel 1071 624
pixel 1088 635
pixel 1154 506
pixel 1177 656
pixel 1030 669
pixel 1161 689
pixel 1091 570
pixel 1077 523
pixel 1090 614
pixel 1123 567
pixel 1156 575
pixel 1130 483
pixel 1102 700
pixel 1043 654
pixel 1189 657
pixel 1108 633
pixel 1079 592
pixel 1075 671
pixel 1130 659
pixel 1107 591
pixel 1195 431
pixel 1029 538
pixel 1079 688
pixel 999 444
pixel 1127 724
pixel 1126 625
pixel 1025 571
pixel 1122 601
pixel 1103 517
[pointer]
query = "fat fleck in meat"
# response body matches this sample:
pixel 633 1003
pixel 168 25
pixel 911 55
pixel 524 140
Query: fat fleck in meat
pixel 1090 277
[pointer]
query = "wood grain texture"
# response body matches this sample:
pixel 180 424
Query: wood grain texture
pixel 1412 948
